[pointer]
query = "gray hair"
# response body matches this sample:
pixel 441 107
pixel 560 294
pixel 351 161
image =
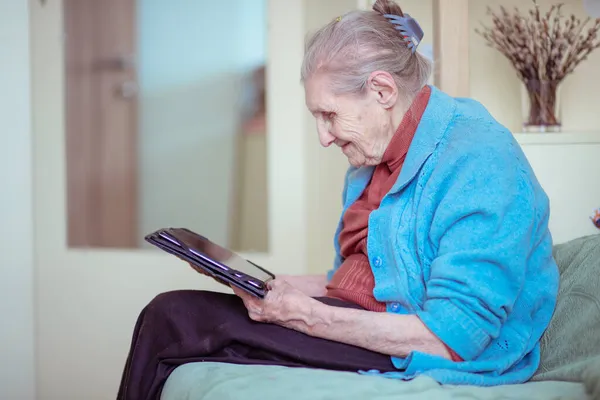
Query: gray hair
pixel 358 43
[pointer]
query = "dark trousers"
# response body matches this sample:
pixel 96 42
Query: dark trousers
pixel 189 326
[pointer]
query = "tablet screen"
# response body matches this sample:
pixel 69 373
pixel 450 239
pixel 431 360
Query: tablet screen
pixel 201 246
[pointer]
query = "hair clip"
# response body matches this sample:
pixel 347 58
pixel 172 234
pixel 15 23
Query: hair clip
pixel 338 19
pixel 409 28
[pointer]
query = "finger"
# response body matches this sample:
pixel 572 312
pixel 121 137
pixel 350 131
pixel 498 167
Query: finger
pixel 272 284
pixel 199 270
pixel 243 297
pixel 221 281
pixel 249 300
pixel 239 292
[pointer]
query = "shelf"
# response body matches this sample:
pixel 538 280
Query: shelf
pixel 558 138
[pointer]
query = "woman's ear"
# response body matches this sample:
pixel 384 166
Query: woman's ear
pixel 384 87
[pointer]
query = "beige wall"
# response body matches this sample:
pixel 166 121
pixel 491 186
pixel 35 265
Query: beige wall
pixel 325 167
pixel 492 82
pixel 249 213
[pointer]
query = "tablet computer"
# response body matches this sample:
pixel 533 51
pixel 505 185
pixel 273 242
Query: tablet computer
pixel 210 258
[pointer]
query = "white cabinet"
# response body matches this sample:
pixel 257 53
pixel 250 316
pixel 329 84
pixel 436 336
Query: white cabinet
pixel 568 167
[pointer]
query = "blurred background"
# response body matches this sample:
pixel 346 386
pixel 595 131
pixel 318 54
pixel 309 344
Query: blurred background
pixel 120 117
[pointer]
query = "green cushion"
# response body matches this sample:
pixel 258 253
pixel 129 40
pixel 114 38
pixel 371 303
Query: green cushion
pixel 571 344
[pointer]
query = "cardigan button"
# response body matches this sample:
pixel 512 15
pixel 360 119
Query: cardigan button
pixel 377 262
pixel 394 306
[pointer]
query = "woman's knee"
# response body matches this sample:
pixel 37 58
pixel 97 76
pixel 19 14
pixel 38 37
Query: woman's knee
pixel 181 300
pixel 168 302
pixel 178 306
pixel 171 296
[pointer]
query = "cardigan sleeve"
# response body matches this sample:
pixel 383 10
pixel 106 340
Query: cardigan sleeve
pixel 482 228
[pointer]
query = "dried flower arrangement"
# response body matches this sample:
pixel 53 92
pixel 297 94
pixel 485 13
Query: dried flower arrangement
pixel 543 48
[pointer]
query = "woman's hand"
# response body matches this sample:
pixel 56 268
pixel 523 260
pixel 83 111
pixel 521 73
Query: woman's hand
pixel 283 305
pixel 382 332
pixel 201 271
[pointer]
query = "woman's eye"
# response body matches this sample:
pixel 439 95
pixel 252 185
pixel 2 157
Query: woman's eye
pixel 328 115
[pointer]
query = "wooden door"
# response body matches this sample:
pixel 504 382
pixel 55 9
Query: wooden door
pixel 101 122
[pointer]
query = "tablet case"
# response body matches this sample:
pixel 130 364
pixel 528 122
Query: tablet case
pixel 173 241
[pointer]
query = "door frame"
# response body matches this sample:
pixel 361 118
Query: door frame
pixel 17 307
pixel 285 143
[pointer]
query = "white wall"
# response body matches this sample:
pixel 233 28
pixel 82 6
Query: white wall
pixel 567 183
pixel 192 58
pixel 17 368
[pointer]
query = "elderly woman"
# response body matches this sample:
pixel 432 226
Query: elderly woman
pixel 444 259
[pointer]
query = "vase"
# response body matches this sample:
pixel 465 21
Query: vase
pixel 541 106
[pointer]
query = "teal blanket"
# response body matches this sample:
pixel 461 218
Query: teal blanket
pixel 213 381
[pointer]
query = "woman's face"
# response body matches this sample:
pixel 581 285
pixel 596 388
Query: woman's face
pixel 359 124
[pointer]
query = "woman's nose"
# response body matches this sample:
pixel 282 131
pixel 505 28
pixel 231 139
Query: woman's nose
pixel 326 138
